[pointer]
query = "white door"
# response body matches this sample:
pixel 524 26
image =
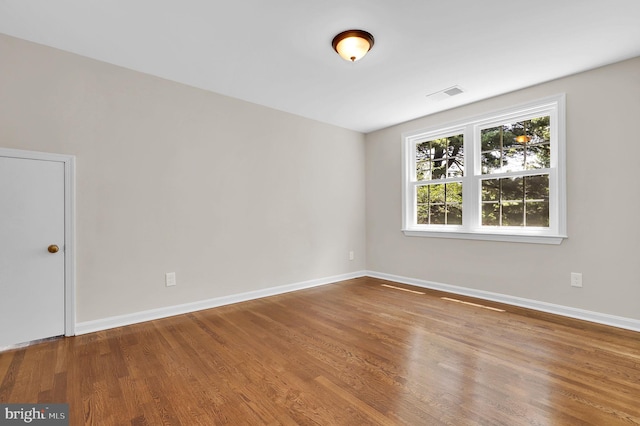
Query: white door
pixel 32 272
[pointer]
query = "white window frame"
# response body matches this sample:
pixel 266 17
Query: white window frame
pixel 471 227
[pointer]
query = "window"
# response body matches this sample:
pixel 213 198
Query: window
pixel 495 177
pixel 440 160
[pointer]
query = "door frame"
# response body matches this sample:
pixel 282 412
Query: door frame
pixel 69 162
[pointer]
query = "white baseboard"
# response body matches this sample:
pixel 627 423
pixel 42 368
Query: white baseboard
pixel 137 317
pixel 596 317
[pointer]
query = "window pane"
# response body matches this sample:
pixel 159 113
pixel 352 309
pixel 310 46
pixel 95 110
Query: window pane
pixel 491 138
pixel 439 168
pixel 454 214
pixel 540 129
pixel 454 193
pixel 439 204
pixel 455 156
pixel 439 147
pixel 513 159
pixel 517 146
pixel 437 214
pixel 513 214
pixel 520 201
pixel 537 188
pixel 491 190
pixel 537 200
pixel 436 193
pixel 440 158
pixel 423 170
pixel 423 214
pixel 537 213
pixel 538 157
pixel 455 167
pixel 423 151
pixel 490 214
pixel 511 189
pixel 491 162
pixel 422 195
pixel 455 147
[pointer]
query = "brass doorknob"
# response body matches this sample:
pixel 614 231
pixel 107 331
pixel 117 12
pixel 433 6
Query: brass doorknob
pixel 53 248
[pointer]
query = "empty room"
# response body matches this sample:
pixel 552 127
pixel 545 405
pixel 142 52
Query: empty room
pixel 356 212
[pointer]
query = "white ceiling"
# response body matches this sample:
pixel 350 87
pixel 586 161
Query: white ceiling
pixel 278 53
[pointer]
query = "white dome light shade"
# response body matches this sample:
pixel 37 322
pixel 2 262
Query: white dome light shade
pixel 352 44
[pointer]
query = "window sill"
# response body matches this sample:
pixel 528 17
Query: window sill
pixel 488 236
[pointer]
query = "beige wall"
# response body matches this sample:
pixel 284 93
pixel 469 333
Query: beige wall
pixel 231 196
pixel 235 197
pixel 603 148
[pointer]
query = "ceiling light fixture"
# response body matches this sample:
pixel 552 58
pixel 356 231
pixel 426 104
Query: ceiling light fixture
pixel 352 44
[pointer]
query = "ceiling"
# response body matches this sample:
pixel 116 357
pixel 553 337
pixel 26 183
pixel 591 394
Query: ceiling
pixel 278 53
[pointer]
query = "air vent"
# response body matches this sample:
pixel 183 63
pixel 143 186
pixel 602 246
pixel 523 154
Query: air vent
pixel 455 90
pixel 445 93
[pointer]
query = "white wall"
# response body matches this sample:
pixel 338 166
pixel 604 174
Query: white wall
pixel 603 148
pixel 232 196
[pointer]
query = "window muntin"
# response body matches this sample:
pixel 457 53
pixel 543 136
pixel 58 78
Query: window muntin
pixel 508 166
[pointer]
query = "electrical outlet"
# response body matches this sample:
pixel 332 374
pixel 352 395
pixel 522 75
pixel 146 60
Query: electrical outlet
pixel 576 279
pixel 170 279
pixel 351 255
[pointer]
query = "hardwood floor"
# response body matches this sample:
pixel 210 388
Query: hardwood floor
pixel 360 352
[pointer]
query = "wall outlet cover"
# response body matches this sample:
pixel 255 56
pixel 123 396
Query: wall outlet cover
pixel 170 279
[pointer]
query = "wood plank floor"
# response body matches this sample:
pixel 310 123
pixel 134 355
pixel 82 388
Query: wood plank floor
pixel 359 352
